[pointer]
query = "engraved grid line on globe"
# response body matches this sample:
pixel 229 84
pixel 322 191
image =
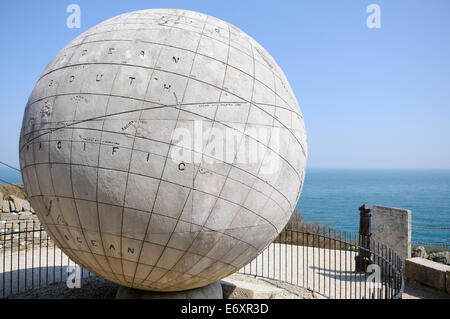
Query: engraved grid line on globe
pixel 170 267
pixel 297 111
pixel 118 170
pixel 193 166
pixel 153 177
pixel 252 103
pixel 230 168
pixel 99 232
pixel 67 126
pixel 292 109
pixel 96 196
pixel 146 24
pixel 77 258
pixel 163 141
pixel 198 169
pixel 162 173
pixel 96 192
pixel 225 234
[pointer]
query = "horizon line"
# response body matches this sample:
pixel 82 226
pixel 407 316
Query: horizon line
pixel 317 167
pixel 390 168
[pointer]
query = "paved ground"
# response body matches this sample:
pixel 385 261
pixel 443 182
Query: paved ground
pixel 28 269
pixel 329 272
pixel 91 288
pixel 421 292
pixel 98 288
pixel 274 289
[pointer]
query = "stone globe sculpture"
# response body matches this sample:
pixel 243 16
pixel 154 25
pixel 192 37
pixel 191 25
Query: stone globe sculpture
pixel 163 149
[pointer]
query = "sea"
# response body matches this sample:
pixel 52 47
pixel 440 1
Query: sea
pixel 332 197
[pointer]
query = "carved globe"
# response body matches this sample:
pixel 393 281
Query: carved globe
pixel 163 149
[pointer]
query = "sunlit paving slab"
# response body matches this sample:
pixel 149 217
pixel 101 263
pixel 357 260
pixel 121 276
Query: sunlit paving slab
pixel 329 272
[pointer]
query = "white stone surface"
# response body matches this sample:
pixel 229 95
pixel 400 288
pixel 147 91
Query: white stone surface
pixel 5 206
pixel 237 289
pixel 97 145
pixel 211 291
pixel 392 227
pixel 18 203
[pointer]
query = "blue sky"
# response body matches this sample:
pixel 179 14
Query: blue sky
pixel 371 98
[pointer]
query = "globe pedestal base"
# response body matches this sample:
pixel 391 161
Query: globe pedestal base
pixel 212 291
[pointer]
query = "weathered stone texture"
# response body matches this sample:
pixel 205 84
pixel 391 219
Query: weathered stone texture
pixel 211 291
pixel 18 233
pixel 447 282
pixel 427 272
pixel 392 227
pixel 421 252
pixel 26 205
pixel 5 207
pixel 18 203
pixel 245 290
pixel 98 148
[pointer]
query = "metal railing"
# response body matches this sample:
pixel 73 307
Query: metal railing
pixel 29 259
pixel 428 244
pixel 322 260
pixel 316 258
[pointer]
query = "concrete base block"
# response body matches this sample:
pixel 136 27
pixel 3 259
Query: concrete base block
pixel 427 272
pixel 212 291
pixel 234 289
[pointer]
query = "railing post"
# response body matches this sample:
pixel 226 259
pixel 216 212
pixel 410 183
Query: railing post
pixel 362 260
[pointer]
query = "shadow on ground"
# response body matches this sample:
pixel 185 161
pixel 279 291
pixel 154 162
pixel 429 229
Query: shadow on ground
pixel 50 283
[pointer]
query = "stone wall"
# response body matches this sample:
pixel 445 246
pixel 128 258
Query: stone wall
pixel 14 204
pixel 13 208
pixel 17 222
pixel 20 234
pixel 392 227
pixel 428 273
